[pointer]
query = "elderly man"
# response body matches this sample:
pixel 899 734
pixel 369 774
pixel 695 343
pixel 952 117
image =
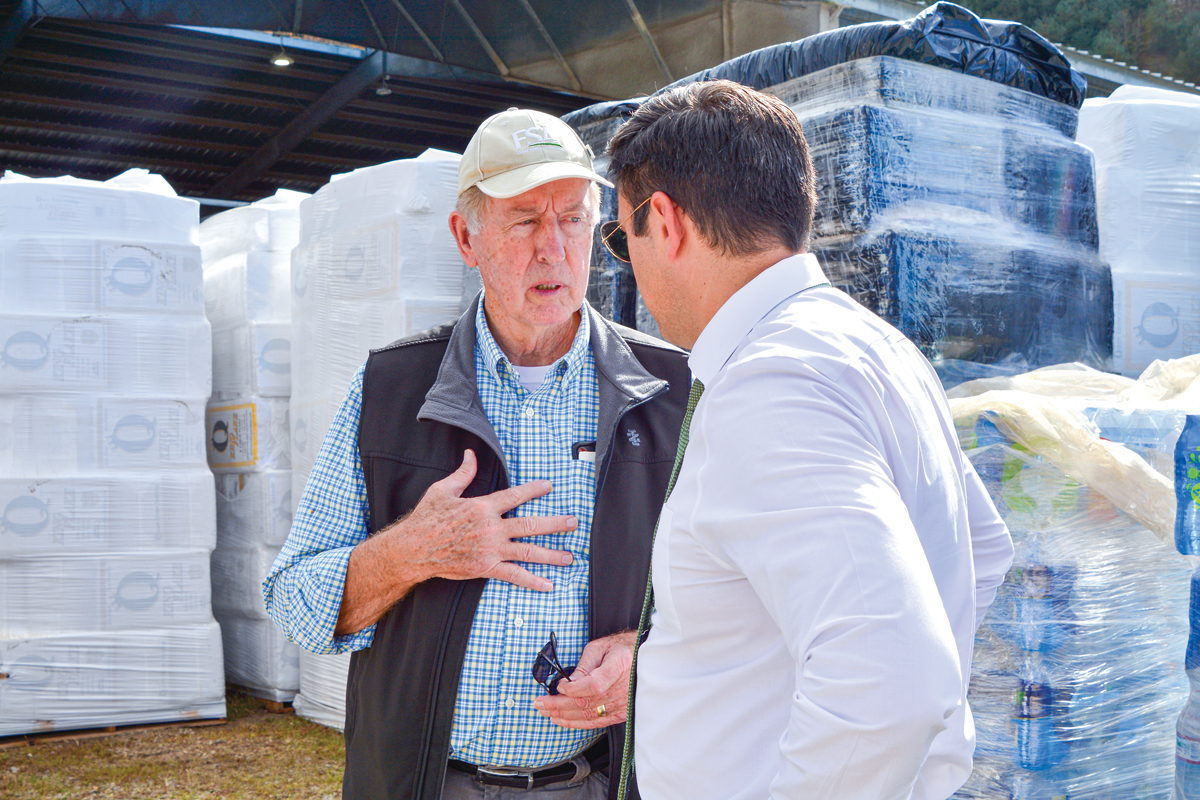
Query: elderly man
pixel 480 514
pixel 827 550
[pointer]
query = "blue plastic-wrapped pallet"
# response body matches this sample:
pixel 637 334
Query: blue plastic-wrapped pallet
pixel 969 289
pixel 870 159
pixel 951 198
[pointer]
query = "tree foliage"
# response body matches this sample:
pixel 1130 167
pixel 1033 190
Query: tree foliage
pixel 1158 35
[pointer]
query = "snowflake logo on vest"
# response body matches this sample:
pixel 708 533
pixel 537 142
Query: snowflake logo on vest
pixel 634 439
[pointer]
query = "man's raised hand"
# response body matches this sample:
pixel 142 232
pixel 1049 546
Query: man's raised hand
pixel 463 538
pixel 449 536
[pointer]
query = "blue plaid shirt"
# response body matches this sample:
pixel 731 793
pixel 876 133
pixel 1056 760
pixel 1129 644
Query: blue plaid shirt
pixel 494 719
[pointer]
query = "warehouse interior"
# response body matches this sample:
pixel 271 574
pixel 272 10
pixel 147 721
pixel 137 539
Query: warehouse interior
pixel 230 101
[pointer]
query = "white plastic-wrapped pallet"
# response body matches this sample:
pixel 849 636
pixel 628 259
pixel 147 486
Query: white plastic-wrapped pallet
pixel 108 507
pixel 1147 145
pixel 376 261
pixel 247 263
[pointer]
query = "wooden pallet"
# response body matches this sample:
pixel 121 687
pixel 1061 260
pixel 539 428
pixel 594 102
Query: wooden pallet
pixel 273 706
pixel 26 739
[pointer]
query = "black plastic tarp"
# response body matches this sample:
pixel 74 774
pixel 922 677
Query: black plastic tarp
pixel 944 35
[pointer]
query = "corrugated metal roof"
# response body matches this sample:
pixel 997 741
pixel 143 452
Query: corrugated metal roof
pixel 93 99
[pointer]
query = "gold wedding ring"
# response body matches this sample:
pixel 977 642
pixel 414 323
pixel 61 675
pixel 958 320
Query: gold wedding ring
pixel 601 710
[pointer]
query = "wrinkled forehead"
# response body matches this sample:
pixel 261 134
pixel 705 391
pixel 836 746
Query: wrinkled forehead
pixel 556 197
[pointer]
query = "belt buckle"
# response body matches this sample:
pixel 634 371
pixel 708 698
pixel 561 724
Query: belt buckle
pixel 501 772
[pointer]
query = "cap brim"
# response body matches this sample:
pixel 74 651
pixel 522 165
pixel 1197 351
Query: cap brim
pixel 522 179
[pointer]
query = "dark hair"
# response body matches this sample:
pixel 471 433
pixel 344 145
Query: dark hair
pixel 734 159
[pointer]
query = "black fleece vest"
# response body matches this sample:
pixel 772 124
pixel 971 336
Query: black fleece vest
pixel 402 690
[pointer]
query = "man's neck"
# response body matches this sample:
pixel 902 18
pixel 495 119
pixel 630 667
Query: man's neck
pixel 534 347
pixel 723 277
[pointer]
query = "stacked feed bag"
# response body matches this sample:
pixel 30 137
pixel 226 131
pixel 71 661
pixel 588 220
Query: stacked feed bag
pixel 1147 145
pixel 1078 675
pixel 108 515
pixel 247 275
pixel 375 262
pixel 951 197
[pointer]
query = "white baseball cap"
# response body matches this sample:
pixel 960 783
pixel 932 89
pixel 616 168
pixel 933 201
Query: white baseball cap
pixel 519 149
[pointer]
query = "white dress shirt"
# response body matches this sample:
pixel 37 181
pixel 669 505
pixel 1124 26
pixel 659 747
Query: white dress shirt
pixel 820 567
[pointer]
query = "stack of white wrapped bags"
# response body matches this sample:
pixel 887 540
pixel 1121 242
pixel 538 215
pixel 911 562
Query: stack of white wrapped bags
pixel 107 513
pixel 1147 144
pixel 247 276
pixel 375 262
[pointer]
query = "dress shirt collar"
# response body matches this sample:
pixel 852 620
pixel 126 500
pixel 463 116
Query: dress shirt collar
pixel 498 364
pixel 741 312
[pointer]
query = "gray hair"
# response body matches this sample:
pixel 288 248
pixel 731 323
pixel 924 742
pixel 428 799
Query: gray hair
pixel 473 204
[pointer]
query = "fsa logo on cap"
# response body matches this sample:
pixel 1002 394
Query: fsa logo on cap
pixel 530 138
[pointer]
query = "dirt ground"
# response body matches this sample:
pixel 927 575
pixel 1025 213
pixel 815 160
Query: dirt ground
pixel 256 755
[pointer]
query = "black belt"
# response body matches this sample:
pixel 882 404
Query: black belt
pixel 594 759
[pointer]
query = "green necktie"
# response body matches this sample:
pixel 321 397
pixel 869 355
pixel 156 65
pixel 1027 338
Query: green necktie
pixel 648 603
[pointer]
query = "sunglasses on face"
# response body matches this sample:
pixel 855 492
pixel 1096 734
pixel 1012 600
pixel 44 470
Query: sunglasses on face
pixel 613 236
pixel 546 669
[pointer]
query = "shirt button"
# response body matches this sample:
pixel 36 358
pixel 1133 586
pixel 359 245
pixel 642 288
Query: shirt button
pixel 529 412
pixel 510 702
pixel 518 622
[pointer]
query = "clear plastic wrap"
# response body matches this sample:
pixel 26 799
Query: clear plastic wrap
pixel 375 262
pixel 260 659
pixel 104 592
pixel 252 358
pixel 1147 147
pixel 270 225
pixel 109 509
pixel 871 160
pixel 254 285
pixel 1073 458
pixel 117 354
pixel 237 575
pixel 1156 316
pixel 41 272
pixel 50 435
pixel 141 510
pixel 965 286
pixel 247 284
pixel 67 681
pixel 254 508
pixel 1077 673
pixel 136 204
pixel 897 83
pixel 249 434
pixel 955 207
pixel 322 696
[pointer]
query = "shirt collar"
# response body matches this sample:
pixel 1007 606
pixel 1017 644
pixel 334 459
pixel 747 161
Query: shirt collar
pixel 499 366
pixel 748 305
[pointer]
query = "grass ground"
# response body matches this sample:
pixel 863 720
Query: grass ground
pixel 256 755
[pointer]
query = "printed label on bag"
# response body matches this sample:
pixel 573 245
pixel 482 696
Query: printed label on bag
pixel 232 436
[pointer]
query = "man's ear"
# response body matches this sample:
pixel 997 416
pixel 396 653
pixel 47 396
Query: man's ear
pixel 672 228
pixel 462 238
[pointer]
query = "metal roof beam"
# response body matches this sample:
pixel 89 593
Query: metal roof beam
pixel 483 42
pixel 383 43
pixel 420 32
pixel 640 24
pixel 14 27
pixel 562 62
pixel 339 95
